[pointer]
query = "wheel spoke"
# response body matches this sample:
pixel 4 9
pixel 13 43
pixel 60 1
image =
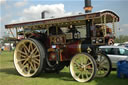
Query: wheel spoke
pixel 29 69
pixel 78 65
pixel 89 72
pixel 24 67
pixel 25 47
pixel 83 59
pixel 36 51
pixel 88 64
pixel 104 71
pixel 79 75
pixel 101 71
pixel 25 62
pixel 35 56
pixel 21 60
pixel 86 75
pixel 100 57
pixel 82 75
pixel 105 67
pixel 102 61
pixel 22 52
pixel 37 59
pixel 33 50
pixel 30 48
pixel 32 66
pixel 25 51
pixel 86 60
pixel 35 62
pixel 23 56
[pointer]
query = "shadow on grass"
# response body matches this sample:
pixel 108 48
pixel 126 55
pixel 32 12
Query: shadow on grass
pixel 11 71
pixel 66 76
pixel 112 79
pixel 62 75
pixel 10 60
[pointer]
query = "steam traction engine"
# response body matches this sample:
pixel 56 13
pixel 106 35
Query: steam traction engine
pixel 51 44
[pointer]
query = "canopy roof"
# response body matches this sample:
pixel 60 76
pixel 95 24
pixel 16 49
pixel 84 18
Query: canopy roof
pixel 68 20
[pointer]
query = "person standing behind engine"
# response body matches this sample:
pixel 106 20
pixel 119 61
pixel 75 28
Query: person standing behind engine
pixel 74 31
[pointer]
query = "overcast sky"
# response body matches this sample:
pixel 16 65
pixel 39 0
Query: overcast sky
pixel 13 11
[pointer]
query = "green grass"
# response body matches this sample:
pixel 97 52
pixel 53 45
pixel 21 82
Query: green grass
pixel 9 76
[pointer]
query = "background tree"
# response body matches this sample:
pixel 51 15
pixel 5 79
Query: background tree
pixel 121 39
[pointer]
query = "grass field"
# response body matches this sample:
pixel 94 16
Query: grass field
pixel 9 76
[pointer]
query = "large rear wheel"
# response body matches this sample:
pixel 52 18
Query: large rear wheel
pixel 104 65
pixel 29 57
pixel 83 67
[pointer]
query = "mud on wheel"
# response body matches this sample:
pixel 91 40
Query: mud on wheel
pixel 29 57
pixel 104 65
pixel 83 67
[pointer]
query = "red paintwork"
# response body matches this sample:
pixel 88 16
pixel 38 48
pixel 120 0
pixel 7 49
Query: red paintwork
pixel 52 56
pixel 70 50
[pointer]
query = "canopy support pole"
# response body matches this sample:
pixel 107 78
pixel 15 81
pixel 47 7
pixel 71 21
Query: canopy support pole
pixel 102 26
pixel 88 30
pixel 24 33
pixel 11 32
pixel 105 25
pixel 47 30
pixel 16 33
pixel 113 24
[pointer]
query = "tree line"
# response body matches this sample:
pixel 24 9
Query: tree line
pixel 121 39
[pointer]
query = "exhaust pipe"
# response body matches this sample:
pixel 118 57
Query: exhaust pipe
pixel 43 14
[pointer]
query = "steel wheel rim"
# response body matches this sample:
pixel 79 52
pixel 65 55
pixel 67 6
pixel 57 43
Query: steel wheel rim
pixel 102 65
pixel 85 69
pixel 27 58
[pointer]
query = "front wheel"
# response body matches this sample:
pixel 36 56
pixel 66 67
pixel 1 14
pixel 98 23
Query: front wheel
pixel 83 67
pixel 104 65
pixel 29 57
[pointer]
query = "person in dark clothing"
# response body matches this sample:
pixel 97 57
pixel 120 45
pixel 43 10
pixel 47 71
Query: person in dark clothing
pixel 53 30
pixel 74 31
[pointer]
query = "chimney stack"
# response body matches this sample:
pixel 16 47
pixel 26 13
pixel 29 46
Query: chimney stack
pixel 43 15
pixel 88 7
